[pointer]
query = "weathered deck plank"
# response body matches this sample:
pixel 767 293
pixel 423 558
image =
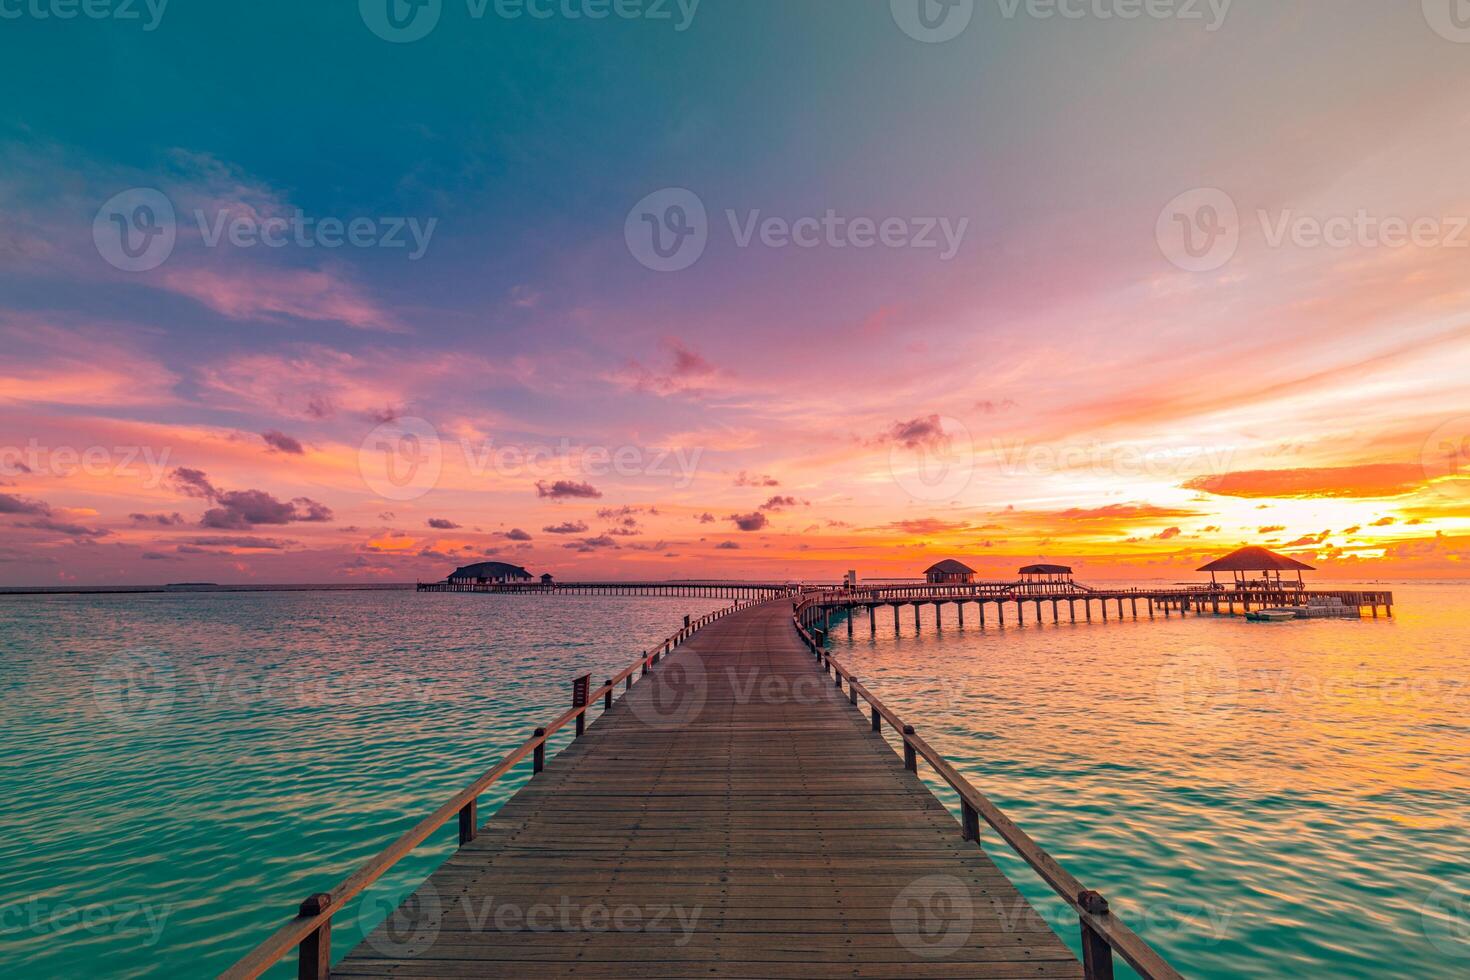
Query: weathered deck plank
pixel 733 816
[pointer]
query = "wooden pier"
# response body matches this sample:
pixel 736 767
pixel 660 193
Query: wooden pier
pixel 993 600
pixel 734 813
pixel 691 589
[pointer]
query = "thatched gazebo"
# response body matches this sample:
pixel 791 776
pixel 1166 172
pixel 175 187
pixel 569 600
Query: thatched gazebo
pixel 1047 578
pixel 1241 564
pixel 949 572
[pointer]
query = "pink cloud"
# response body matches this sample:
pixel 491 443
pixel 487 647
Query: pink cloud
pixel 252 293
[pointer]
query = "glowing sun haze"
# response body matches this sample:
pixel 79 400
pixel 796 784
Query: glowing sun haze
pixel 525 388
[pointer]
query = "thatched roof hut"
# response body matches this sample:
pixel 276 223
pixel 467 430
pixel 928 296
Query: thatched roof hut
pixel 949 572
pixel 1240 564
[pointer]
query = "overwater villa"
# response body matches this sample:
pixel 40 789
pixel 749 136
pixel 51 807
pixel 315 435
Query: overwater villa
pixel 490 573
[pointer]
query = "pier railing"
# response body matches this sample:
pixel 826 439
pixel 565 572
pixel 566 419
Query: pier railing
pixel 311 929
pixel 1103 934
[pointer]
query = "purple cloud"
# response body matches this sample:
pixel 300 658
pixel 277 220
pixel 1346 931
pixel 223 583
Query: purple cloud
pixel 750 522
pixel 563 489
pixel 282 443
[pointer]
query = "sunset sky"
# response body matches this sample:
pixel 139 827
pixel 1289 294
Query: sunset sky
pixel 1059 378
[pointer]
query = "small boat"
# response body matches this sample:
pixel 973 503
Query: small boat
pixel 1271 615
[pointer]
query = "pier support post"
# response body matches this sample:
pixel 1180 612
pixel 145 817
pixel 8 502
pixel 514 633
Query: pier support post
pixel 959 608
pixel 896 626
pixel 1072 609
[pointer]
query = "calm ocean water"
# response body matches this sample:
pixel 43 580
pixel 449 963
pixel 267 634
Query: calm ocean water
pixel 282 740
pixel 1259 800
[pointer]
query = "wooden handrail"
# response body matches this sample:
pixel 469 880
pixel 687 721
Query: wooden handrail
pixel 310 930
pixel 1102 932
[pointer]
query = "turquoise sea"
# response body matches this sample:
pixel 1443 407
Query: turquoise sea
pixel 1258 800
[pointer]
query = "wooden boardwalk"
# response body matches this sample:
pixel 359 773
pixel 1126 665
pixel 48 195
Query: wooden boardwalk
pixel 732 816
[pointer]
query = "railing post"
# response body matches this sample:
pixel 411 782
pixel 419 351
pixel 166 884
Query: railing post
pixel 877 720
pixel 969 821
pixel 1097 955
pixel 607 698
pixel 581 689
pixel 910 755
pixel 538 763
pixel 314 955
pixel 467 823
pixel 852 690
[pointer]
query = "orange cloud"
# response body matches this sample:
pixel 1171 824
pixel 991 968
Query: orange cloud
pixel 1368 480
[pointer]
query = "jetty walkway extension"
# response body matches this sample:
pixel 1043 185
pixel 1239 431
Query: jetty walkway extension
pixel 732 814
